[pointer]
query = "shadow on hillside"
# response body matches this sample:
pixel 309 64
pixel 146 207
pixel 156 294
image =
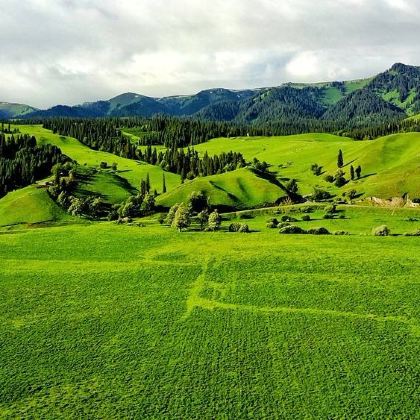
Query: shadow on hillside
pixel 368 175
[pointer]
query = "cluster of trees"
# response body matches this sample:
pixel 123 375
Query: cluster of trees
pixel 22 162
pixel 98 134
pixel 6 129
pixel 188 164
pixel 181 214
pixel 64 188
pixel 339 178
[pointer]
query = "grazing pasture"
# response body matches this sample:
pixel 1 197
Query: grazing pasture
pixel 108 321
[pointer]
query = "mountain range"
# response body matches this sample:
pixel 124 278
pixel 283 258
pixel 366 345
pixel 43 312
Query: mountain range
pixel 392 94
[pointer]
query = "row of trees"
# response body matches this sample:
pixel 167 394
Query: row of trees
pixel 188 164
pixel 22 162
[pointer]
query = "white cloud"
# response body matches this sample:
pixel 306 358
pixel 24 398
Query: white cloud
pixel 70 51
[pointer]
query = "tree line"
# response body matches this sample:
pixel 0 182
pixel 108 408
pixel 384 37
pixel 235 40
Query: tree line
pixel 22 161
pixel 188 164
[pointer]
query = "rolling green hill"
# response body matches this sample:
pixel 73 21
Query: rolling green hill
pixel 130 170
pixel 390 165
pixel 30 205
pixel 237 189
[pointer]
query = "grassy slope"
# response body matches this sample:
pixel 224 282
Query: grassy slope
pixel 151 323
pixel 240 189
pixel 390 164
pixel 132 171
pixel 30 205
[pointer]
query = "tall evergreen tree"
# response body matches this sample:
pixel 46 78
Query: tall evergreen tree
pixel 352 172
pixel 340 160
pixel 163 183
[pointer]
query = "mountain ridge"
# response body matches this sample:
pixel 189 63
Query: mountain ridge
pixel 392 94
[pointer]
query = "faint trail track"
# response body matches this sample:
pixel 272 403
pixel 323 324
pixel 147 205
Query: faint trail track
pixel 194 300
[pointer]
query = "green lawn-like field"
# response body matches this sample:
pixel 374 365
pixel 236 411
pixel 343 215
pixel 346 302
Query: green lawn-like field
pixel 108 321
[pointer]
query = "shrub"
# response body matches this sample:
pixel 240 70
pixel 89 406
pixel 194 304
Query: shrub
pixel 244 228
pixel 381 231
pixel 288 219
pixel 342 216
pixel 306 218
pixel 319 195
pixel 329 178
pixel 272 224
pixel 328 216
pixel 239 227
pixel 331 209
pixel 291 229
pixel 283 224
pixel 341 232
pixel 318 231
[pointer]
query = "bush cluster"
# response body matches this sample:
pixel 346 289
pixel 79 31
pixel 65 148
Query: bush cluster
pixel 239 227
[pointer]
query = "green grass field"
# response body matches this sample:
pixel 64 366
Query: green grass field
pixel 107 321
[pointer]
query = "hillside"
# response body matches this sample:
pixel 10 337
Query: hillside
pixel 30 205
pixel 239 189
pixel 390 164
pixel 130 170
pixel 390 95
pixel 10 110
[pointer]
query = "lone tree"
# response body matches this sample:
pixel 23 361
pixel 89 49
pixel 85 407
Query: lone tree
pixel 148 183
pixel 163 184
pixel 340 161
pixel 358 171
pixel 215 220
pixel 352 172
pixel 182 218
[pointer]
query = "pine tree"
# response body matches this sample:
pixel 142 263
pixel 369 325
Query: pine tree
pixel 340 160
pixel 358 171
pixel 163 184
pixel 352 172
pixel 148 183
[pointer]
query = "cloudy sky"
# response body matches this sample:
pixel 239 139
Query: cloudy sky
pixel 71 51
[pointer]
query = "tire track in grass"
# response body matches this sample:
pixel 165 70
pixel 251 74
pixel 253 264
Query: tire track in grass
pixel 195 300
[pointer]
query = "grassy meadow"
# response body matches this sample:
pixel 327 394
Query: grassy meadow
pixel 138 320
pixel 107 321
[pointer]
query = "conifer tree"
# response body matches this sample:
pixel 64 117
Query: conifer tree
pixel 340 160
pixel 163 184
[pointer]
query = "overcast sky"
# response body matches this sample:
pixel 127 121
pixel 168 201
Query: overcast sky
pixel 71 51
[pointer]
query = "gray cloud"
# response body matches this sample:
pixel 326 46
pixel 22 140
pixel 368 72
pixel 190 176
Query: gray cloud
pixel 70 51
